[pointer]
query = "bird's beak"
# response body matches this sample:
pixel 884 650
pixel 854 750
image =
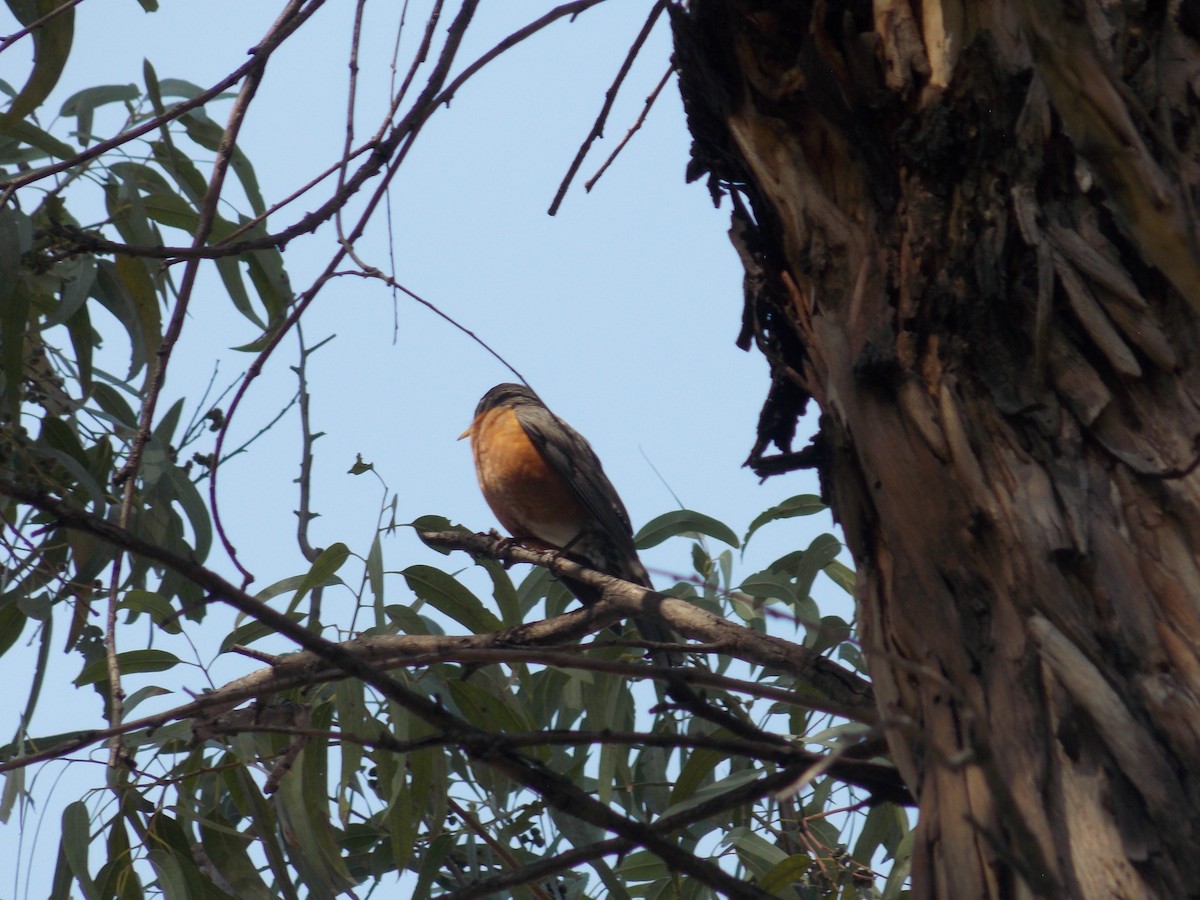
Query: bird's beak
pixel 467 433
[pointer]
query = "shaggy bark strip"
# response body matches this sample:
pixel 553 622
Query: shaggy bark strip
pixel 970 235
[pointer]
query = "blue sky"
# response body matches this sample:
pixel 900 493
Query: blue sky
pixel 621 311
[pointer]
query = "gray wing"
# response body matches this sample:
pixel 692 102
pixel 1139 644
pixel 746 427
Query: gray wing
pixel 609 547
pixel 572 457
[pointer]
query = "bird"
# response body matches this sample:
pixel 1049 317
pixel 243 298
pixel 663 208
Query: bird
pixel 545 484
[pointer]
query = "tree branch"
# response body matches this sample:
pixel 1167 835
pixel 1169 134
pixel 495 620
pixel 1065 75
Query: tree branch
pixel 838 690
pixel 482 746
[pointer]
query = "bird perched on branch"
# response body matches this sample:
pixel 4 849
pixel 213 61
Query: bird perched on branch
pixel 546 486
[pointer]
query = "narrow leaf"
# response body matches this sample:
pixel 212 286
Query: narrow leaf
pixel 800 505
pixel 323 571
pixel 51 47
pixel 76 839
pixel 130 662
pixel 683 522
pixel 450 598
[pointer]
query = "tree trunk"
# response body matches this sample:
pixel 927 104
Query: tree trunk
pixel 972 238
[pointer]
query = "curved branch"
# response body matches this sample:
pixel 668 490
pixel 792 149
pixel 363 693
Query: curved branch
pixel 841 691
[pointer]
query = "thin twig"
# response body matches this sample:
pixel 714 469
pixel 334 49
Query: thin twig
pixel 305 513
pixel 395 285
pixel 351 98
pixel 127 476
pixel 33 26
pixel 99 149
pixel 499 849
pixel 609 98
pixel 641 119
pixel 454 39
pixel 250 440
pixel 419 57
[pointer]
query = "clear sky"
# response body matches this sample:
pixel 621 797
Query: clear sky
pixel 621 311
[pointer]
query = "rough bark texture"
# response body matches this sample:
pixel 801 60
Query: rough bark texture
pixel 970 234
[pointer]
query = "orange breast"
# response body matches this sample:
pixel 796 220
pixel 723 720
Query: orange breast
pixel 528 497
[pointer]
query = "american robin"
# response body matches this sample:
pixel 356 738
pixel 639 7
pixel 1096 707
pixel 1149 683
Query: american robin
pixel 546 486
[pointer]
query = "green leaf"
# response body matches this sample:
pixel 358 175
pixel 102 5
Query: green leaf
pixel 885 826
pixel 360 467
pixel 178 87
pixel 225 849
pixel 231 275
pixel 16 135
pixel 182 169
pixel 683 522
pixel 82 105
pixel 160 610
pixel 485 710
pixel 15 239
pixel 408 621
pixel 375 569
pixel 194 508
pixel 83 478
pixel 852 655
pixel 785 872
pixel 282 586
pixel 349 702
pixel 76 840
pixel 503 593
pixel 433 523
pixel 841 575
pixel 800 505
pixel 323 571
pixel 171 210
pixel 117 877
pixel 260 343
pixel 51 47
pixel 804 565
pixel 83 339
pixel 770 585
pixel 111 402
pixel 894 889
pixel 312 840
pixel 15 789
pixel 115 297
pixel 270 280
pixel 247 634
pixel 450 598
pixel 756 853
pixel 642 865
pixel 717 788
pixel 131 662
pixel 832 631
pixel 170 852
pixel 144 693
pixel 696 772
pixel 12 623
pixel 439 848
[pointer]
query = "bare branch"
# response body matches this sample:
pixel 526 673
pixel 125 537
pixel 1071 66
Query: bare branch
pixel 8 40
pixel 633 129
pixel 609 98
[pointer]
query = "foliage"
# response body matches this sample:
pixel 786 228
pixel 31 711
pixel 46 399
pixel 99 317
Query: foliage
pixel 400 752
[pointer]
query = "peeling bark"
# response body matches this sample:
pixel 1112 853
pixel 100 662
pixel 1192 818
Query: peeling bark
pixel 970 233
